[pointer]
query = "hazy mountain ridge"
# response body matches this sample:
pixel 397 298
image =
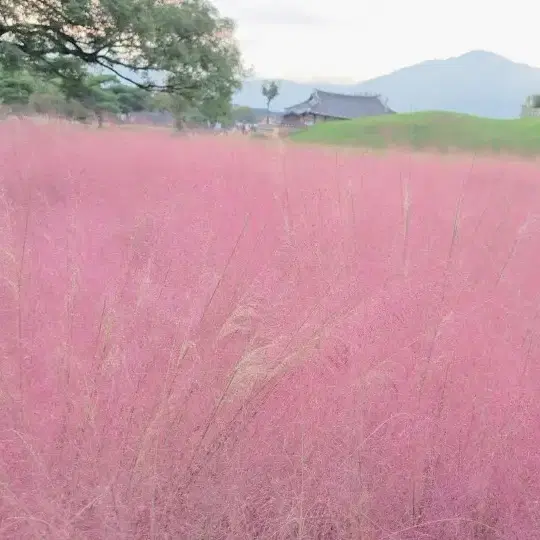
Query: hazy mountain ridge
pixel 478 82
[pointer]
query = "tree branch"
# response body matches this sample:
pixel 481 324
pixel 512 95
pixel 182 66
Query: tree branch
pixel 140 37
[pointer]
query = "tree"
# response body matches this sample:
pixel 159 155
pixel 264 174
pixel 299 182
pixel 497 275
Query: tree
pixel 185 48
pixel 270 90
pixel 217 110
pixel 94 93
pixel 52 102
pixel 99 97
pixel 246 115
pixel 131 99
pixel 16 88
pixel 22 89
pixel 161 102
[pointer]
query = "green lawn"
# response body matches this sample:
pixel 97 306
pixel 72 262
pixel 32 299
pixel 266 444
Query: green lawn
pixel 429 130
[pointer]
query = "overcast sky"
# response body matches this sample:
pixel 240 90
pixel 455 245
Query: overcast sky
pixel 357 40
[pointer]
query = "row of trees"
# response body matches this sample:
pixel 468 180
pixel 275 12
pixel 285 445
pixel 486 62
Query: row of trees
pixel 93 96
pixel 99 95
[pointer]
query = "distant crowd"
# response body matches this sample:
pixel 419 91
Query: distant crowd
pixel 238 127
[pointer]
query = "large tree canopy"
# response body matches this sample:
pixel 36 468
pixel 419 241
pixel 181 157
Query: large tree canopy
pixel 182 47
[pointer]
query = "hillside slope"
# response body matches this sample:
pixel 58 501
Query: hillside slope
pixel 430 130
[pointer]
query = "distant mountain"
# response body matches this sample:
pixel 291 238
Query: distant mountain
pixel 262 113
pixel 478 82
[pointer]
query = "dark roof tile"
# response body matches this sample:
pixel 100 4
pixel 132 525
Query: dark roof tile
pixel 340 105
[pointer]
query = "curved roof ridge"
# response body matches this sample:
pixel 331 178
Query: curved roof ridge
pixel 345 95
pixel 334 105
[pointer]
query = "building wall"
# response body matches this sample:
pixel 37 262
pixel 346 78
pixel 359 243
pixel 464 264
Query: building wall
pixel 307 120
pixel 529 112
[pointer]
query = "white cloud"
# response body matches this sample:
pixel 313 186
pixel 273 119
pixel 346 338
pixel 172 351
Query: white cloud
pixel 271 13
pixel 358 40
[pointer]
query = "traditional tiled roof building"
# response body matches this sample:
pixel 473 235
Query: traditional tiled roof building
pixel 323 105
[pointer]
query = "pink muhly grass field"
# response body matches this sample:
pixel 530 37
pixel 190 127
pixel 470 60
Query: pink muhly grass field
pixel 212 339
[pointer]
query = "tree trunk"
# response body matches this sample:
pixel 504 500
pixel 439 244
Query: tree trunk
pixel 179 123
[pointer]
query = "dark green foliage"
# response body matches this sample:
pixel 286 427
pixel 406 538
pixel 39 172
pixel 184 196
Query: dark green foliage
pixel 244 115
pixel 270 90
pixel 80 97
pixel 183 48
pixel 16 88
pixel 130 99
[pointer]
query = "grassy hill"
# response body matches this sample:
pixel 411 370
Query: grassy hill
pixel 430 130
